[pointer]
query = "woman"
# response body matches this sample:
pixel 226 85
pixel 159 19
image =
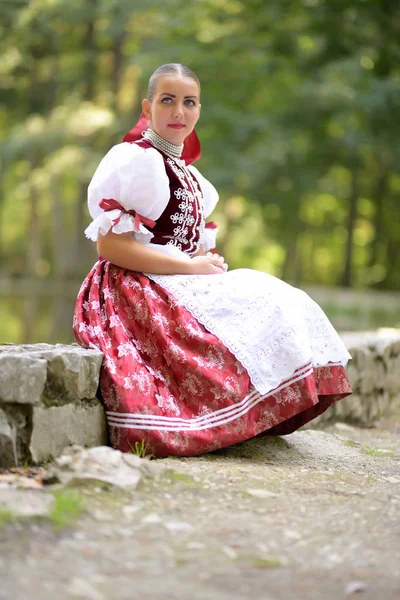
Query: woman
pixel 196 357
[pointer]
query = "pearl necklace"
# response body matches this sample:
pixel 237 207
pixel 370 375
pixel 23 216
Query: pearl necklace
pixel 158 142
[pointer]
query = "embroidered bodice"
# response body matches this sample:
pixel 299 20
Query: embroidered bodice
pixel 159 199
pixel 182 222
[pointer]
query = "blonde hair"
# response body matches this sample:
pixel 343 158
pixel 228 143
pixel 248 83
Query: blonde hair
pixel 169 69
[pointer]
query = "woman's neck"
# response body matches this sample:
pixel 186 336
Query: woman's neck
pixel 161 144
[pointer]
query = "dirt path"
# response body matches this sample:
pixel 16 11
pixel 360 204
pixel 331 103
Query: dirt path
pixel 313 515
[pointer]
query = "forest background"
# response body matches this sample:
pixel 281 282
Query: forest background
pixel 300 132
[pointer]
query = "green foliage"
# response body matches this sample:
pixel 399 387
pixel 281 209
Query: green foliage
pixel 299 127
pixel 68 506
pixel 140 449
pixel 6 517
pixel 374 451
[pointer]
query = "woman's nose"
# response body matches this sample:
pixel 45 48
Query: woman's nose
pixel 178 111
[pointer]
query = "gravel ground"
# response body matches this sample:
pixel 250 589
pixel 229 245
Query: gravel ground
pixel 313 515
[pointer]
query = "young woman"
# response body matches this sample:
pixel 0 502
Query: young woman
pixel 196 357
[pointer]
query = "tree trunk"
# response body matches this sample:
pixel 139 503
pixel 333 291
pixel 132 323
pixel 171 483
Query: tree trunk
pixel 379 198
pixel 291 269
pixel 90 70
pixel 348 262
pixel 89 47
pixel 2 198
pixel 117 71
pixel 34 253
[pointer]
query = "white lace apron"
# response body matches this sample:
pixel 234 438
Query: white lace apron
pixel 272 328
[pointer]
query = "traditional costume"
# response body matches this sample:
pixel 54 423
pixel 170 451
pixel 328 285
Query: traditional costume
pixel 193 363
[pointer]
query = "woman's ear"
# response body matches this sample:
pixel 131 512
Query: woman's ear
pixel 146 108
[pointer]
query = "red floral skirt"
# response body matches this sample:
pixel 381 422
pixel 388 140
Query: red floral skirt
pixel 168 382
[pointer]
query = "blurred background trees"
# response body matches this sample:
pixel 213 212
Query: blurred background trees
pixel 300 131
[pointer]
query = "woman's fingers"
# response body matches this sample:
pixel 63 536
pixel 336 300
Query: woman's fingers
pixel 215 255
pixel 218 261
pixel 210 263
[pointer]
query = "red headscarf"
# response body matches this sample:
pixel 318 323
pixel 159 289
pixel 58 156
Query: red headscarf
pixel 191 147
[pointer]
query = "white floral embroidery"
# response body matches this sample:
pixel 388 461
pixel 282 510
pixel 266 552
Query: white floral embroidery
pixel 128 385
pixel 231 389
pixel 168 404
pixel 213 360
pixel 266 421
pixel 190 230
pixel 239 368
pixel 142 381
pixel 114 321
pixel 111 365
pixel 124 349
pixel 107 293
pixel 98 331
pixel 175 353
pixel 141 312
pixel 161 321
pixel 150 293
pixel 130 282
pixel 158 375
pixel 150 348
pixel 288 395
pixel 192 385
pixel 107 340
pixel 95 304
pixel 270 327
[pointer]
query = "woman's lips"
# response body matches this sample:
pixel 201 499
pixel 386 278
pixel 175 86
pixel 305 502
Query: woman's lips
pixel 177 125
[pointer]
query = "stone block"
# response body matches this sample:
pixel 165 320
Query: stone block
pixel 8 442
pixel 393 377
pixel 99 463
pixel 26 502
pixel 73 372
pixel 57 427
pixel 22 378
pixel 353 374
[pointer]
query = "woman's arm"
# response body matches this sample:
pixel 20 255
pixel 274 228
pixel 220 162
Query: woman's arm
pixel 201 252
pixel 124 251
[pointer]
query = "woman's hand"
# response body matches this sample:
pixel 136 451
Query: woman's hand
pixel 210 264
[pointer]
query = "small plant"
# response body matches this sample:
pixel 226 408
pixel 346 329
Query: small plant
pixel 67 507
pixel 183 478
pixel 48 461
pixel 351 443
pixel 374 451
pixel 6 516
pixel 267 563
pixel 140 449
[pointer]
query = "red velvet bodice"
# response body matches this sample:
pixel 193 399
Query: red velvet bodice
pixel 182 222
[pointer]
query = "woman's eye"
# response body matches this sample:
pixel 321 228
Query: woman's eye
pixel 190 102
pixel 166 100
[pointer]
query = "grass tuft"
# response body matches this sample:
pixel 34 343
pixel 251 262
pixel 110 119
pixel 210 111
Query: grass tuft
pixel 68 506
pixel 374 451
pixel 6 516
pixel 140 449
pixel 351 444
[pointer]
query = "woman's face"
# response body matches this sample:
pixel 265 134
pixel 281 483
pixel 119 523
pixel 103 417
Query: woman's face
pixel 174 109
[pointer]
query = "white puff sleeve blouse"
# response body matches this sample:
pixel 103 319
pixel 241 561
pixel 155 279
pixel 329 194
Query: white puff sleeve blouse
pixel 129 178
pixel 210 199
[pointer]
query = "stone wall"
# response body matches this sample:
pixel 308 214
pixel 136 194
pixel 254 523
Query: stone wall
pixel 48 394
pixel 374 374
pixel 48 401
